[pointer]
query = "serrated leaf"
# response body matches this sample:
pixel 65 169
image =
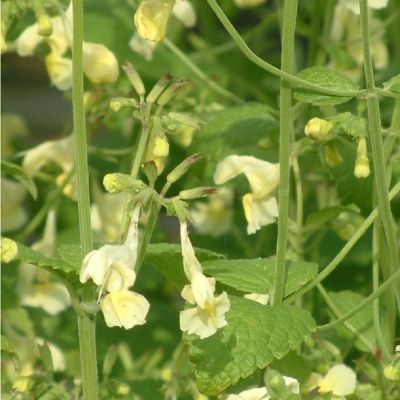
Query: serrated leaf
pixel 18 173
pixel 323 77
pixel 255 336
pixel 167 258
pixel 358 329
pixel 236 130
pixel 393 84
pixel 56 265
pixel 257 275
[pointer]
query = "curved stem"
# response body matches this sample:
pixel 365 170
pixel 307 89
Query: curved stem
pixel 286 76
pixel 285 134
pixel 377 150
pixel 387 284
pixel 86 325
pixel 345 250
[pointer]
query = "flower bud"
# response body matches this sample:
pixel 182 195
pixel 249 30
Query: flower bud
pixel 151 18
pixel 158 88
pixel 160 146
pixel 196 193
pixel 318 129
pixel 134 78
pixel 185 119
pixel 392 371
pixel 182 168
pixel 332 156
pixel 118 102
pixel 361 168
pixel 151 171
pixel 9 250
pixel 116 182
pixel 171 91
pixel 45 27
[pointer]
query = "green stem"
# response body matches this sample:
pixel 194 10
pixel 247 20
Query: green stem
pixel 344 251
pixel 200 74
pixel 86 325
pixel 377 150
pixel 141 147
pixel 286 76
pixel 381 289
pixel 285 134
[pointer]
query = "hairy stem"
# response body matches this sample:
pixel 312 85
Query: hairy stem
pixel 374 118
pixel 285 134
pixel 86 325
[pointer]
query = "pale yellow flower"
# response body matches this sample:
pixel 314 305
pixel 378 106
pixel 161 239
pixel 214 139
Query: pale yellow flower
pixel 248 3
pixel 339 381
pixel 251 394
pixel 112 266
pixel 214 217
pixel 361 167
pixel 191 264
pixel 59 69
pixel 9 250
pixel 13 215
pixel 151 18
pixel 318 129
pixel 35 287
pixel 260 207
pixel 124 309
pixel 99 63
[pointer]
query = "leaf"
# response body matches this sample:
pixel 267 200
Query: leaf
pixel 255 336
pixel 167 258
pixel 71 254
pixel 237 130
pixel 18 173
pixel 323 77
pixel 294 365
pixel 393 84
pixel 59 266
pixel 7 351
pixel 358 329
pixel 257 275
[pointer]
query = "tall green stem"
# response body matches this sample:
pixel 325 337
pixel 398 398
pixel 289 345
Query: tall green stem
pixel 377 150
pixel 285 134
pixel 86 324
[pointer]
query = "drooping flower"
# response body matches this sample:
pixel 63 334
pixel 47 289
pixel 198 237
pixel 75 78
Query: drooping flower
pixel 112 266
pixel 59 69
pixel 208 315
pixel 184 11
pixel 361 167
pixel 35 287
pixel 124 309
pixel 248 3
pixel 259 206
pixel 339 381
pixel 13 215
pixel 215 217
pixel 151 18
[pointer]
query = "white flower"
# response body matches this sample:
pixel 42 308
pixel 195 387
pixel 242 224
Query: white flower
pixel 260 208
pixel 251 394
pixel 99 63
pixel 292 384
pixel 35 287
pixel 248 3
pixel 259 298
pixel 13 216
pixel 340 381
pixel 191 264
pixel 184 11
pixel 124 309
pixel 205 321
pixel 142 46
pixel 151 18
pixel 214 218
pixel 354 5
pixel 112 266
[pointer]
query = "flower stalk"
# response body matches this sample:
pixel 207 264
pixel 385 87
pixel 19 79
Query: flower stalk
pixel 86 324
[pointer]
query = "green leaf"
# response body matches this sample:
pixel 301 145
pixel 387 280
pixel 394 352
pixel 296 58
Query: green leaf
pixel 238 130
pixel 294 365
pixel 63 268
pixel 167 258
pixel 257 275
pixel 327 78
pixel 358 329
pixel 326 214
pixel 18 173
pixel 255 336
pixel 71 254
pixel 393 84
pixel 7 351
